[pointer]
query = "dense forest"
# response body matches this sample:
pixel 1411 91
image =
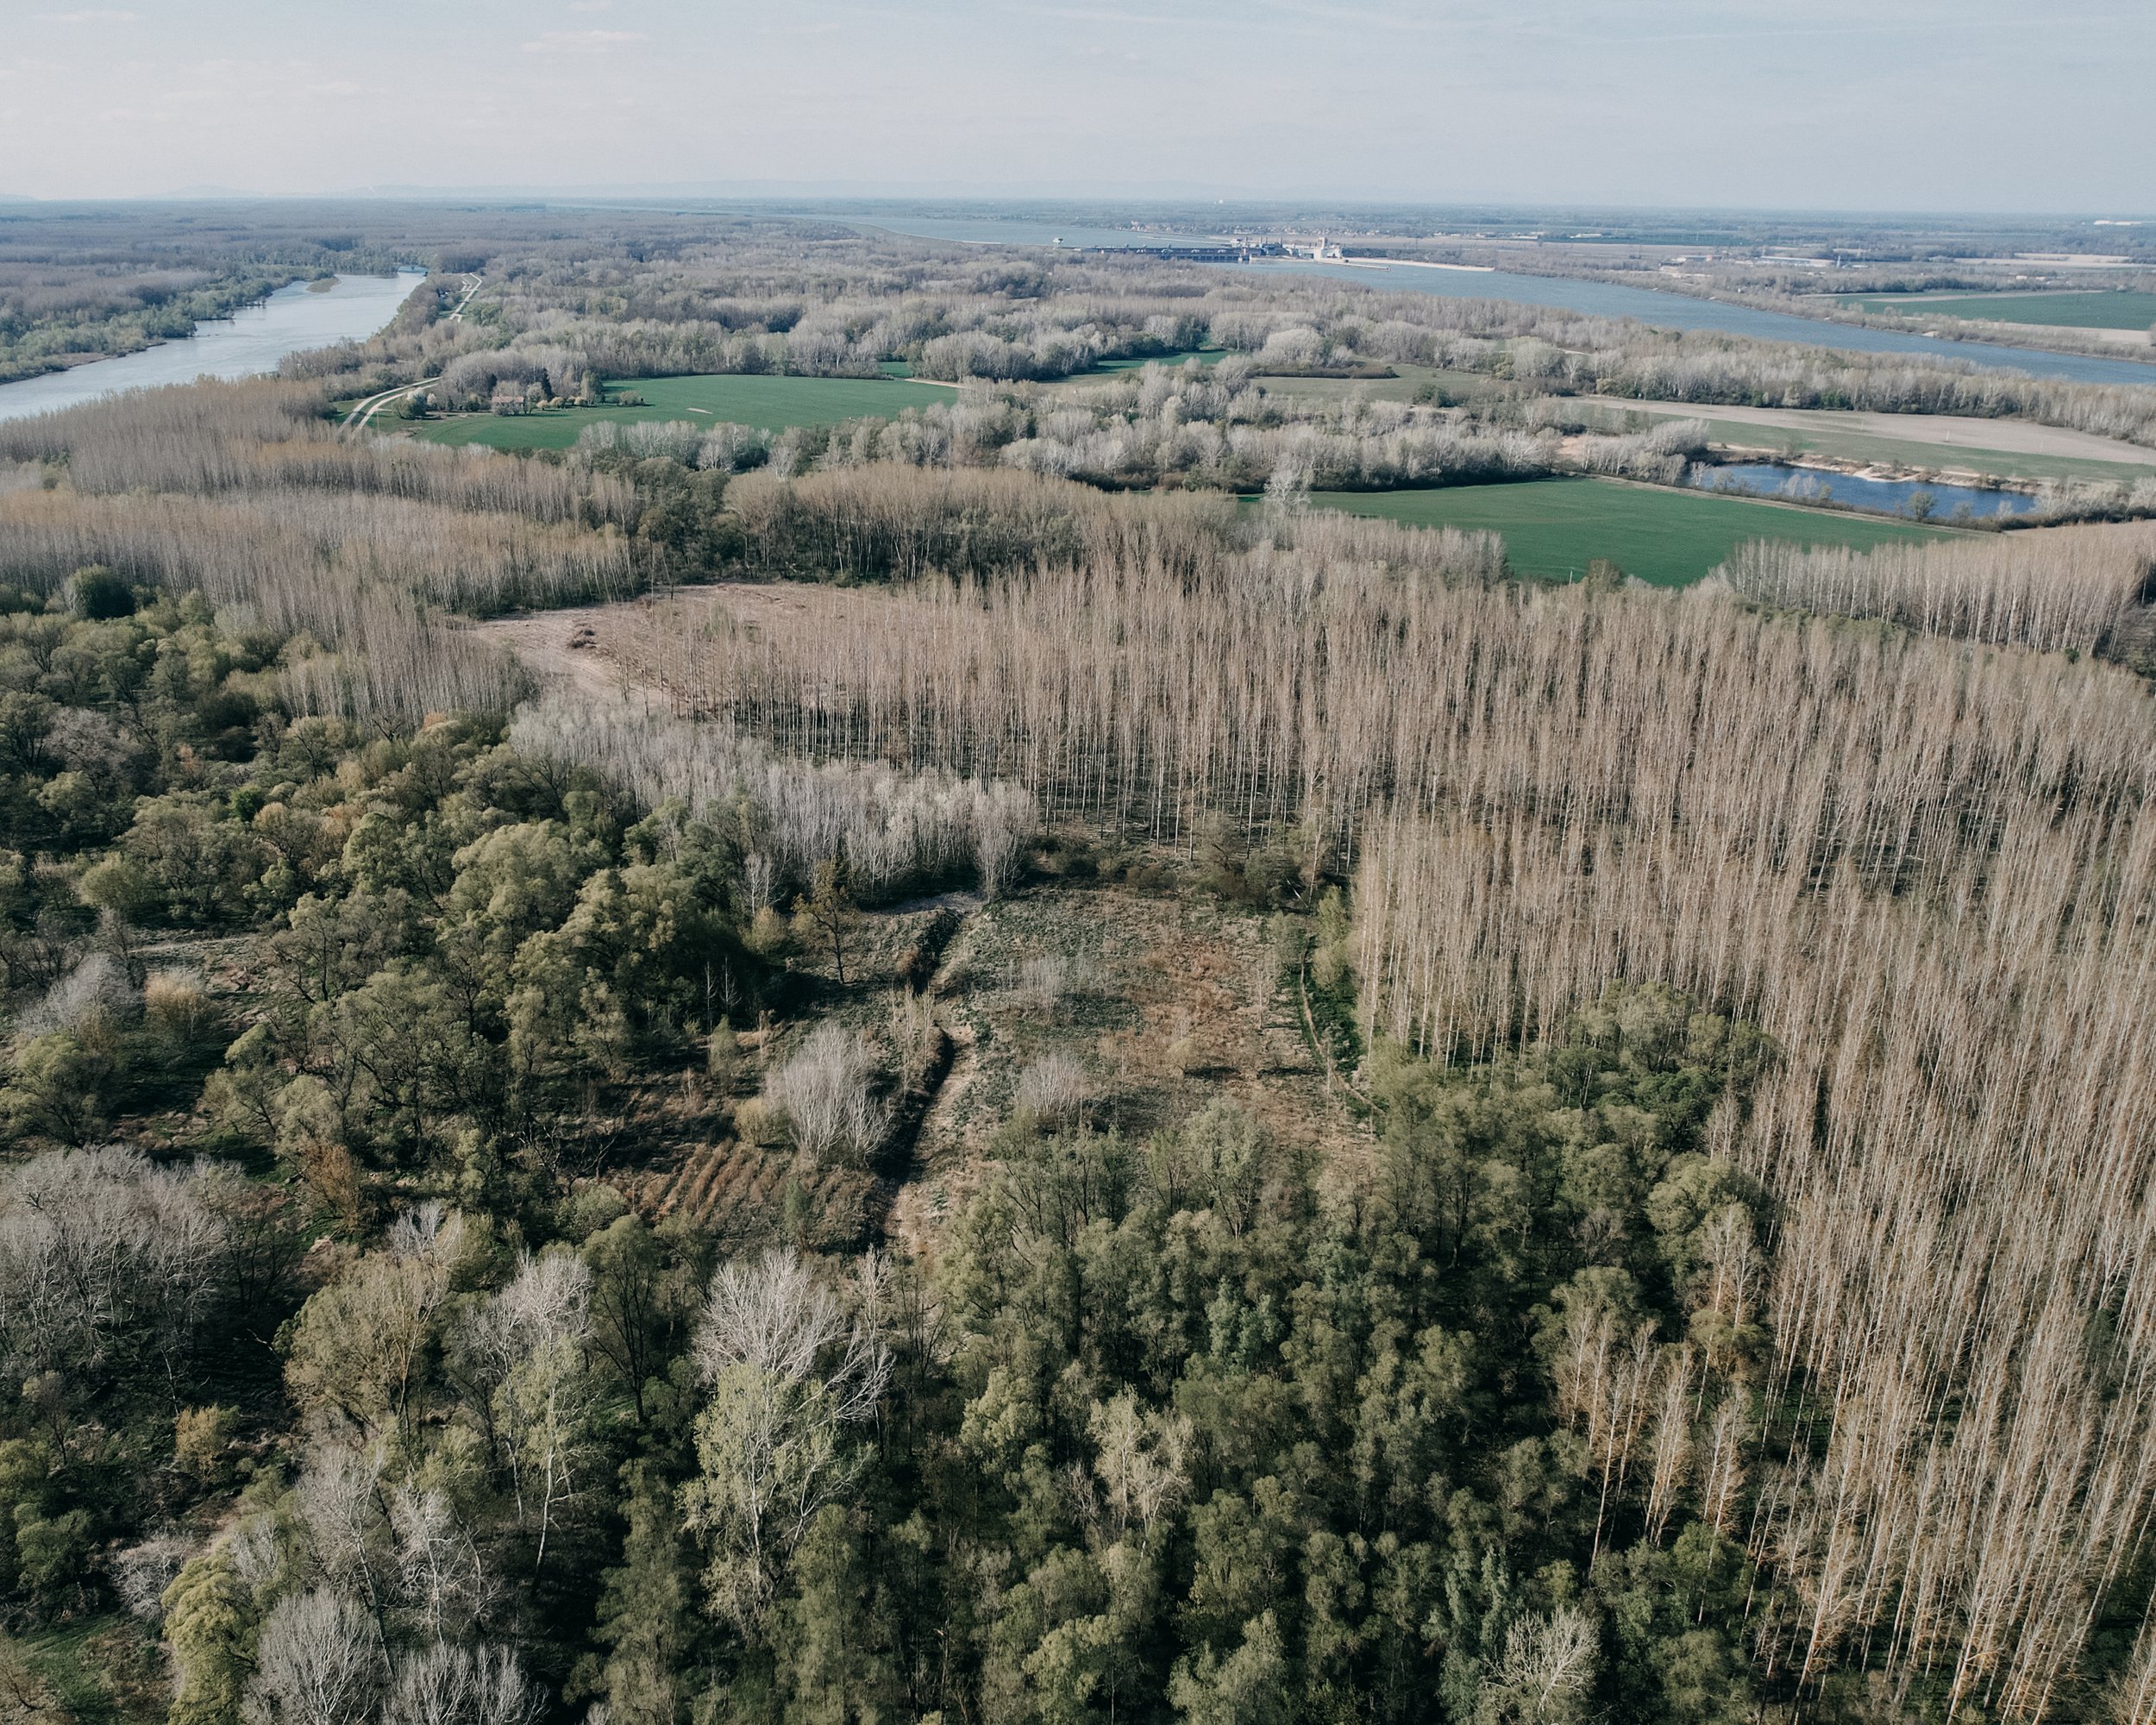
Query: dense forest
pixel 925 1070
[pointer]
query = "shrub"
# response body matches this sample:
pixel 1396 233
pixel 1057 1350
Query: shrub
pixel 824 1093
pixel 177 1010
pixel 1053 1090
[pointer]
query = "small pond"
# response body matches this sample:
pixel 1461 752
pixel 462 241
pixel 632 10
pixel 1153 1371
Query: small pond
pixel 1877 497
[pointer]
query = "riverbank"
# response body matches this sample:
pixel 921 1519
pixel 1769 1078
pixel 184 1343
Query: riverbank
pixel 252 342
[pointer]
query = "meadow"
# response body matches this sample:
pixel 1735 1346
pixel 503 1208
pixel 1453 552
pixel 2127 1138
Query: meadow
pixel 2103 310
pixel 770 403
pixel 1205 356
pixel 1556 527
pixel 1435 384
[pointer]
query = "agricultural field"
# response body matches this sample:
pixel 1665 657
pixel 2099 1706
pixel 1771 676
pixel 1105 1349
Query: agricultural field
pixel 1556 527
pixel 770 403
pixel 2114 310
pixel 1106 369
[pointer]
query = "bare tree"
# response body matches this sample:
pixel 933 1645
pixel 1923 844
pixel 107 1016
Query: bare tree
pixel 446 1685
pixel 101 1254
pixel 1005 823
pixel 1053 1089
pixel 317 1662
pixel 530 1345
pixel 440 1577
pixel 1547 1670
pixel 824 1093
pixel 1142 1459
pixel 341 1503
pixel 789 1370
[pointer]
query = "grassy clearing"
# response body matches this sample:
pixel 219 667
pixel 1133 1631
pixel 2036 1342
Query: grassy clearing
pixel 1208 356
pixel 770 404
pixel 1163 998
pixel 2104 310
pixel 1556 527
pixel 1414 383
pixel 97 1670
pixel 1167 999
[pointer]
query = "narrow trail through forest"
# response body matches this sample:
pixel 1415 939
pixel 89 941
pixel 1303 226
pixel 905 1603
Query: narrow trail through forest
pixel 898 1161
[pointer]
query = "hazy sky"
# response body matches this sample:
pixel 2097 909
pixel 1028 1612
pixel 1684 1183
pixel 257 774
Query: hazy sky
pixel 1989 104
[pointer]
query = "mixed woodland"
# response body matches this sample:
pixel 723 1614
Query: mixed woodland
pixel 928 1071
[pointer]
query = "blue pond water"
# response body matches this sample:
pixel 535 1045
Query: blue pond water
pixel 251 342
pixel 1882 497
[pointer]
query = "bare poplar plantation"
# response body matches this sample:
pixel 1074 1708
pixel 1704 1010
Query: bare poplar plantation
pixel 297 553
pixel 2054 592
pixel 211 437
pixel 1926 876
pixel 1140 691
pixel 243 492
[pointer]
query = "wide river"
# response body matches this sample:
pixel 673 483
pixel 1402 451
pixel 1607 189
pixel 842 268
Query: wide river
pixel 247 344
pixel 1657 306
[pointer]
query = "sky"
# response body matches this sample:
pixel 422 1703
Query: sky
pixel 1855 104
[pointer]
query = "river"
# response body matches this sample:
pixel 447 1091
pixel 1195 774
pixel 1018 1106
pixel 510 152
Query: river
pixel 1669 311
pixel 1657 306
pixel 247 344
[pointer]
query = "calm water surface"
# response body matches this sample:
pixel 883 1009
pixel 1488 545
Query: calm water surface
pixel 1882 497
pixel 1681 311
pixel 247 344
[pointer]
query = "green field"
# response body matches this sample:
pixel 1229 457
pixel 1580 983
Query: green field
pixel 1208 356
pixel 1556 527
pixel 770 404
pixel 1115 368
pixel 2104 310
pixel 1445 387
